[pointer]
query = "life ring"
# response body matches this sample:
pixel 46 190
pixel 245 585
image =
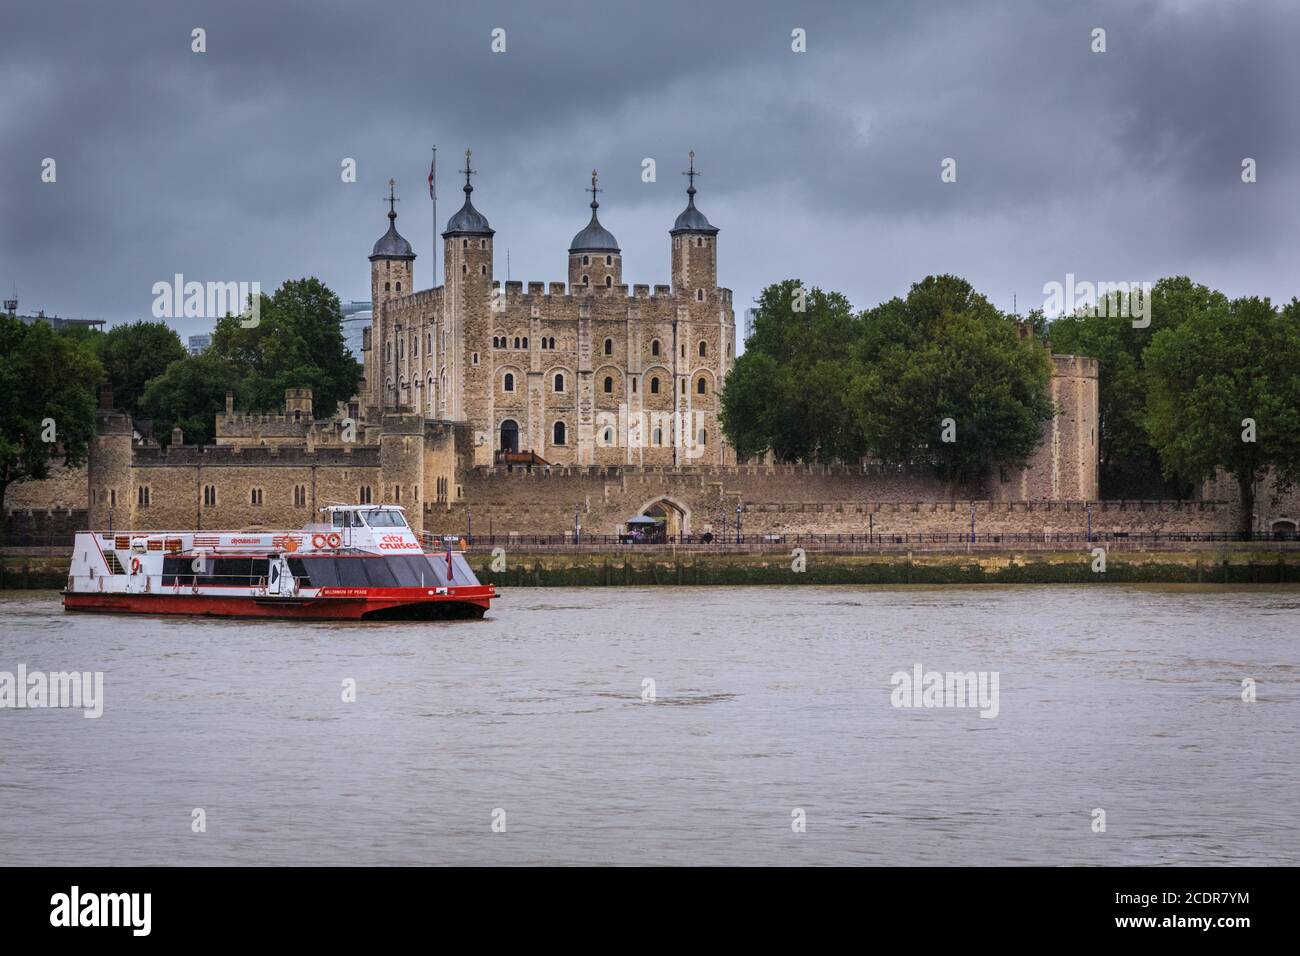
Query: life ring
pixel 135 565
pixel 291 544
pixel 335 539
pixel 318 541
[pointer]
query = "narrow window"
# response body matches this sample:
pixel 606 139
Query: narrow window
pixel 699 295
pixel 609 282
pixel 509 382
pixel 609 260
pixel 609 385
pixel 702 387
pixel 558 433
pixel 654 386
pixel 609 346
pixel 654 347
pixel 559 382
pixel 703 350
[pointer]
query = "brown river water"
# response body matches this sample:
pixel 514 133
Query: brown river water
pixel 770 707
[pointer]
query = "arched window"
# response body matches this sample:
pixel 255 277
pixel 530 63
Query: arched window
pixel 704 349
pixel 683 386
pixel 609 346
pixel 388 286
pixel 699 243
pixel 609 260
pixel 699 295
pixel 702 386
pixel 516 341
pixel 658 436
pixel 586 261
pixel 607 436
pixel 609 282
pixel 509 382
pixel 399 287
pixel 586 281
pixel 609 385
pixel 634 383
pixel 557 434
pixel 559 382
pixel 654 385
pixel 654 347
pixel 464 243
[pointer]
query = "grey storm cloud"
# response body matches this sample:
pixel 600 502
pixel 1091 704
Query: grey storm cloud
pixel 824 165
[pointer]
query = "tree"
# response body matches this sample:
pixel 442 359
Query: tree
pixel 190 394
pixel 1128 463
pixel 297 343
pixel 947 381
pixel 788 392
pixel 1223 391
pixel 47 402
pixel 135 354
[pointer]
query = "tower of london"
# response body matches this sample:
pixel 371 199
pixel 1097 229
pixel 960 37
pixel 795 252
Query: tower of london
pixel 589 371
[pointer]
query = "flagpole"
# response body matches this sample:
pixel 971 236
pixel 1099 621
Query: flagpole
pixel 433 192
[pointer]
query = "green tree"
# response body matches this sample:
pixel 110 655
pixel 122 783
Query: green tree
pixel 788 392
pixel 297 343
pixel 944 363
pixel 1223 391
pixel 47 402
pixel 135 354
pixel 190 394
pixel 1129 465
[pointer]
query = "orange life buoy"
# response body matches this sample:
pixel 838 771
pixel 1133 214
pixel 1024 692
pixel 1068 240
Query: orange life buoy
pixel 291 544
pixel 318 541
pixel 335 539
pixel 135 565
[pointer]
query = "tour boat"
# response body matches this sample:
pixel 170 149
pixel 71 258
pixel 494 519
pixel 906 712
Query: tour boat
pixel 363 563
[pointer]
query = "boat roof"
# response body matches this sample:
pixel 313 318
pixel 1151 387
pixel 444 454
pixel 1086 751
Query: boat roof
pixel 363 508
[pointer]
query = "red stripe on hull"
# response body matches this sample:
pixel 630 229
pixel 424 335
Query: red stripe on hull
pixel 469 602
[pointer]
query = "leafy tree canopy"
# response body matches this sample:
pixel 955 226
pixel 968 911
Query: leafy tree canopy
pixel 134 354
pixel 47 401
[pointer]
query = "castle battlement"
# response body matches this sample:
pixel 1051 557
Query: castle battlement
pixel 216 456
pixel 514 292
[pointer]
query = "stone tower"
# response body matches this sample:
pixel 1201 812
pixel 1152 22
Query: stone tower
pixel 595 261
pixel 401 463
pixel 467 316
pixel 695 249
pixel 392 267
pixel 109 467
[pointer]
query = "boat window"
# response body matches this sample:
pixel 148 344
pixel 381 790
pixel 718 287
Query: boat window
pixel 321 572
pixel 351 574
pixel 343 519
pixel 378 572
pixel 411 572
pixel 384 519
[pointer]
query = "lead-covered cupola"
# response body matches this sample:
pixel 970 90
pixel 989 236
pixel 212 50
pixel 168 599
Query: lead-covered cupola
pixel 595 261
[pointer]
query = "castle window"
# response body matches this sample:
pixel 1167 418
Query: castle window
pixel 142 496
pixel 586 282
pixel 255 496
pixel 609 385
pixel 658 436
pixel 654 385
pixel 415 346
pixel 683 350
pixel 609 346
pixel 634 383
pixel 482 243
pixel 586 261
pixel 683 389
pixel 699 295
pixel 699 243
pixel 509 382
pixel 399 287
pixel 464 243
pixel 397 494
pixel 654 347
pixel 609 282
pixel 300 496
pixel 112 498
pixel 525 341
pixel 464 269
pixel 702 386
pixel 609 260
pixel 363 495
pixel 559 382
pixel 516 341
pixel 482 269
pixel 703 349
pixel 388 286
pixel 704 437
pixel 557 433
pixel 474 358
pixel 209 496
pixel 607 436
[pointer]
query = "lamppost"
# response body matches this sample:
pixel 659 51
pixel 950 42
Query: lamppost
pixel 577 528
pixel 739 509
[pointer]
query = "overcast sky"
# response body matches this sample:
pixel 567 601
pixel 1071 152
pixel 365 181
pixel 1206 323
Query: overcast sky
pixel 824 165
